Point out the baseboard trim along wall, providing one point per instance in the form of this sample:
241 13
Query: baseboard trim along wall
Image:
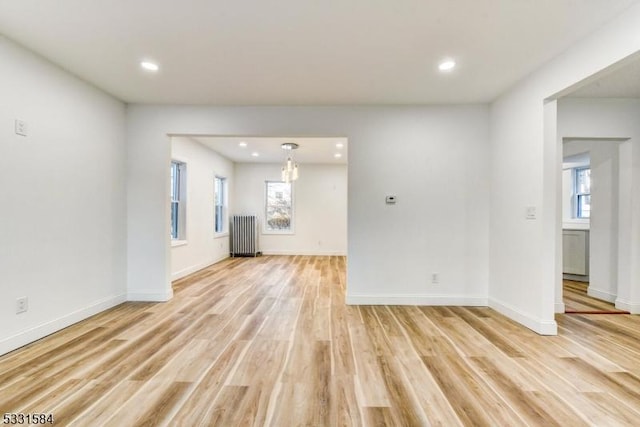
606 296
559 307
631 307
416 300
305 253
150 296
190 270
542 327
33 334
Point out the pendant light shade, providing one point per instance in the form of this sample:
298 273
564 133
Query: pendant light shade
289 171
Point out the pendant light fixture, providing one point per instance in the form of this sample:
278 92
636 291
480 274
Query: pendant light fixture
290 168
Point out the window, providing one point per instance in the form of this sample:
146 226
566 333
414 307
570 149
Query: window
220 204
178 190
582 179
279 207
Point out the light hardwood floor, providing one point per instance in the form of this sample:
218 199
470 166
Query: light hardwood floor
269 341
576 299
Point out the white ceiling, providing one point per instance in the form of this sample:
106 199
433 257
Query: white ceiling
303 52
310 150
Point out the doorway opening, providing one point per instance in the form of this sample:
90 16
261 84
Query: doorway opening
224 178
590 209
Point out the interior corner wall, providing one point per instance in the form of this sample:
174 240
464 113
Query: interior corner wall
320 208
201 247
434 159
63 235
522 282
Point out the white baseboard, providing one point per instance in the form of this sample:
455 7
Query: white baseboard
559 307
631 307
150 296
192 269
605 296
542 327
33 334
305 253
575 277
416 300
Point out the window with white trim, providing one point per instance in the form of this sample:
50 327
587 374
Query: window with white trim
278 207
220 204
178 200
582 192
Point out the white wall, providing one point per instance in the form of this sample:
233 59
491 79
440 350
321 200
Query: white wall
615 217
434 159
202 246
525 262
320 208
63 215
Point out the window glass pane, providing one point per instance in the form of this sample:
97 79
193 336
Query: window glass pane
218 190
279 207
584 206
219 203
583 193
174 220
175 182
583 184
177 205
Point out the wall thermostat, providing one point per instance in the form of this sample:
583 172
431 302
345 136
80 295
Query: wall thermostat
391 200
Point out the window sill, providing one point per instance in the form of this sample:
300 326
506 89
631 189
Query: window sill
220 235
278 233
176 243
576 224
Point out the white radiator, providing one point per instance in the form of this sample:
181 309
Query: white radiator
244 235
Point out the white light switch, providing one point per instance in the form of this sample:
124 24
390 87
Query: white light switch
21 127
531 212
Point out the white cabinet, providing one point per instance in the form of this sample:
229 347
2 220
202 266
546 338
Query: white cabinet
575 252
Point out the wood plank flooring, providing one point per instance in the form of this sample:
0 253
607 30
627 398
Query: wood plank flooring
576 299
269 341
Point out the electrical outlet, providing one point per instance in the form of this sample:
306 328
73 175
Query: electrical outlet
435 278
22 305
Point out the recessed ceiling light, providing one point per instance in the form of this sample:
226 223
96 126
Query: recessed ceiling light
149 66
447 65
255 154
339 145
242 144
337 155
